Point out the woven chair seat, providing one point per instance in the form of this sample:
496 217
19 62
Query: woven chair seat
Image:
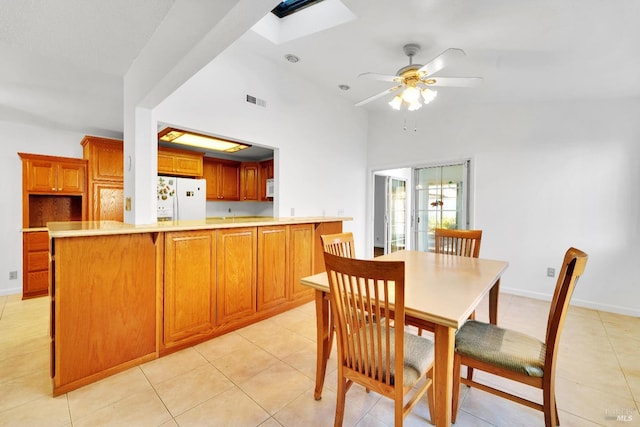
418 356
501 347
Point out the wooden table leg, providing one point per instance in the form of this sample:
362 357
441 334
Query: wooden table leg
444 338
493 303
323 343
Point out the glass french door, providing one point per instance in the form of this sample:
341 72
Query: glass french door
396 214
441 201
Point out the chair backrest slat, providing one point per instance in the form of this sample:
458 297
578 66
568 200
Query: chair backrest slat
363 294
340 244
458 242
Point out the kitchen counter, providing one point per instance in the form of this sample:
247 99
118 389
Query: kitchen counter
100 228
123 294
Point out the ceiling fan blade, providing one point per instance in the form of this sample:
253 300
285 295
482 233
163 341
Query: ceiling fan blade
383 77
453 81
441 61
383 93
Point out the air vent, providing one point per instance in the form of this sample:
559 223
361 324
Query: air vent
256 101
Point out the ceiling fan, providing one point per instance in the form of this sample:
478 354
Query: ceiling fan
417 79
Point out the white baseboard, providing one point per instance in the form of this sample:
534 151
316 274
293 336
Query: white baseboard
627 311
10 291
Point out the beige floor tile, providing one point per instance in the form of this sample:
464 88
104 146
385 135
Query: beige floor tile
27 388
591 404
175 364
106 392
498 411
276 386
271 422
140 409
221 346
383 411
231 408
232 379
186 391
306 411
25 363
240 366
45 411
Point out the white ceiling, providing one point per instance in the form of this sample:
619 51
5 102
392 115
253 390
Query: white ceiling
64 60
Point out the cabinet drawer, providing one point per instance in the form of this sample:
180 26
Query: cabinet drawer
37 241
36 283
38 261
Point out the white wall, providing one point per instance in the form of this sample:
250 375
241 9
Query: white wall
546 176
320 139
20 137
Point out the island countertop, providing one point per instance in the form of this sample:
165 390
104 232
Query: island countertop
98 228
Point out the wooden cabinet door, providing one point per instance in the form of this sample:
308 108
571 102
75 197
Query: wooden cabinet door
249 181
266 172
107 161
41 176
165 163
210 172
189 285
180 162
107 201
272 266
223 179
229 181
236 274
71 177
300 259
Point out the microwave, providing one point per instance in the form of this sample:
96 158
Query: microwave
270 186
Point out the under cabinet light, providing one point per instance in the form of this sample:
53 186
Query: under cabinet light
182 137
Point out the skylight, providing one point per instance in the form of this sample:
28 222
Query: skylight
288 7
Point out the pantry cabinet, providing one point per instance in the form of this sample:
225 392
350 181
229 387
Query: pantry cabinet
105 178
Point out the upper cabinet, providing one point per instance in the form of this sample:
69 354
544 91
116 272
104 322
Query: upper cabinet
249 181
265 173
48 174
105 178
179 162
223 179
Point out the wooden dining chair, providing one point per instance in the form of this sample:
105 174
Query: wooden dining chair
458 242
461 243
364 296
340 244
517 356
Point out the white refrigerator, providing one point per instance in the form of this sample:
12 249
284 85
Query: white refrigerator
181 198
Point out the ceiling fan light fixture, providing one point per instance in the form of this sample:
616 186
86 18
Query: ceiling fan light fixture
414 105
411 94
429 95
396 102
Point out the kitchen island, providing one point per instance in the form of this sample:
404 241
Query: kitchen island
125 294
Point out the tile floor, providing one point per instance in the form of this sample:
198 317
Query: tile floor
263 375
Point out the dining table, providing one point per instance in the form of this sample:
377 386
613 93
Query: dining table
441 292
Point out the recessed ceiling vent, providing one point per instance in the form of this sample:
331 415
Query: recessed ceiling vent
257 101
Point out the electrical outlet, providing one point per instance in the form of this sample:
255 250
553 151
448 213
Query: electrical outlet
13 275
293 211
551 272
